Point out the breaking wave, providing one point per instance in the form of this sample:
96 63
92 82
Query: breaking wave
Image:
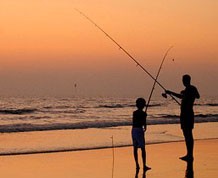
17 111
161 119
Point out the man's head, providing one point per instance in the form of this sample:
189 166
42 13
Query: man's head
186 79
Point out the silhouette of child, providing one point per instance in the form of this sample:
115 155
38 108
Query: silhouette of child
138 128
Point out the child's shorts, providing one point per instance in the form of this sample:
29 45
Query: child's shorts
138 137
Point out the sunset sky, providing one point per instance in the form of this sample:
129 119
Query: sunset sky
46 46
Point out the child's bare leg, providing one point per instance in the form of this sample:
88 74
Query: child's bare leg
136 157
143 156
144 159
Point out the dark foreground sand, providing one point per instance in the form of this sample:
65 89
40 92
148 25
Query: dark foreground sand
163 158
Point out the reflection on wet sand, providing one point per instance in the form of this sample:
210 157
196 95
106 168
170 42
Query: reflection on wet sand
137 174
189 170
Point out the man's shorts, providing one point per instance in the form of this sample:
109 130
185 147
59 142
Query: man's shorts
138 137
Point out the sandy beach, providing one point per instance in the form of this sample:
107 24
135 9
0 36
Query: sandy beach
162 158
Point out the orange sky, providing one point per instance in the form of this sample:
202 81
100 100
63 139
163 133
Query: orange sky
46 46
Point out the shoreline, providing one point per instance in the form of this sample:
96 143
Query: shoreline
91 139
90 149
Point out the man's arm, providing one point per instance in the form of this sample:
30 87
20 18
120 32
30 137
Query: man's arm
197 94
174 94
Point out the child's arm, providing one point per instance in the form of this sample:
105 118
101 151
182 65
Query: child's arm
145 123
145 128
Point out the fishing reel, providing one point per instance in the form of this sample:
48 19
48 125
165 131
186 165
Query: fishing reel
164 95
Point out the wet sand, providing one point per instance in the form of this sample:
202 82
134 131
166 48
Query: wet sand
67 140
162 158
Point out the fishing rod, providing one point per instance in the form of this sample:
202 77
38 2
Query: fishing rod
112 139
158 73
126 52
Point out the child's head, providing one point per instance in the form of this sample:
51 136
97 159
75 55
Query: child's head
140 103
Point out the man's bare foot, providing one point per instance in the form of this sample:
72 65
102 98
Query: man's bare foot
146 168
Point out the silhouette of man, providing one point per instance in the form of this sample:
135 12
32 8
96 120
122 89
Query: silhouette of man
188 96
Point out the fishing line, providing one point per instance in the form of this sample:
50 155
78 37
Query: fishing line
158 73
126 52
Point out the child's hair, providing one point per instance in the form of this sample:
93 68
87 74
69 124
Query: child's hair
140 103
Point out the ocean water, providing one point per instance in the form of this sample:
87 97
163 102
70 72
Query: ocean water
57 124
37 114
